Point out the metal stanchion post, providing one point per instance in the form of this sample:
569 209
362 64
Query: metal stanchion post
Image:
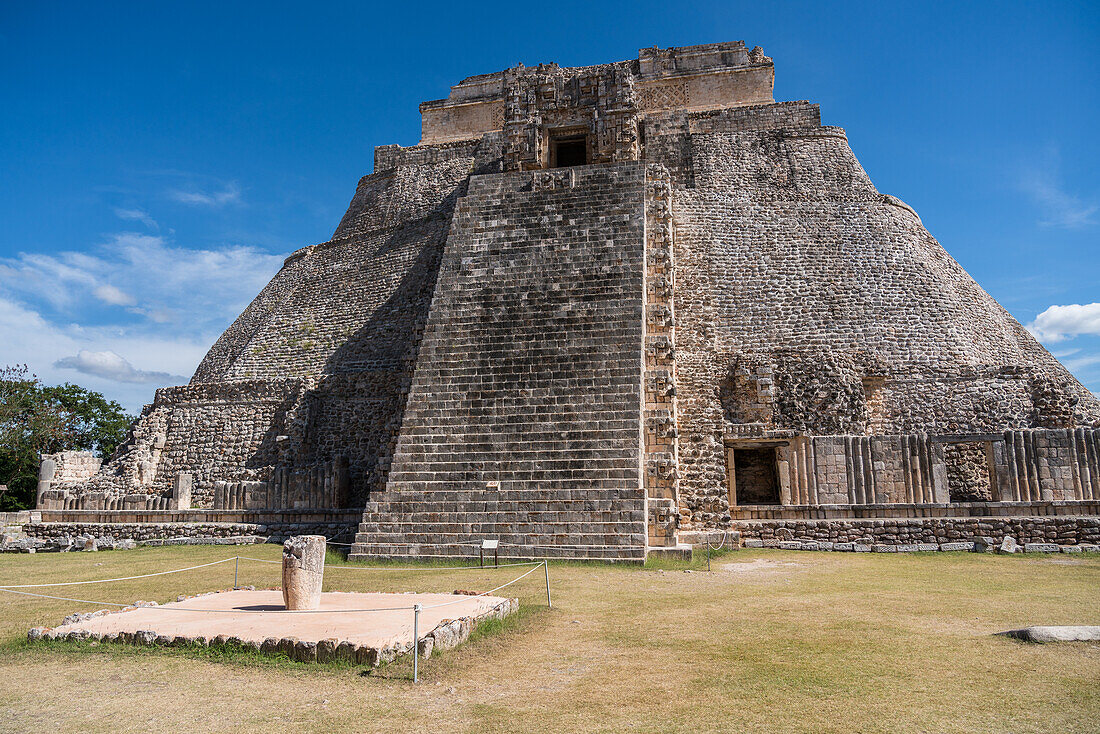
546 574
416 643
236 570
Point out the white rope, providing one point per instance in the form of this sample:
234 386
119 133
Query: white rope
260 560
441 568
263 560
716 547
490 591
464 598
65 598
121 578
405 570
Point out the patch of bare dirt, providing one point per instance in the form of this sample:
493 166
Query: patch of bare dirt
759 566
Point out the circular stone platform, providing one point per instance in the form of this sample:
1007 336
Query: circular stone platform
257 619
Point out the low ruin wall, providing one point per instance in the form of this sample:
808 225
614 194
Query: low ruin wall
936 530
149 532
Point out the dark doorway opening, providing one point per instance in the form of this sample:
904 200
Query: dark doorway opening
755 474
571 151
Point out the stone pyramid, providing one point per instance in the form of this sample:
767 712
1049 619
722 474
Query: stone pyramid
599 306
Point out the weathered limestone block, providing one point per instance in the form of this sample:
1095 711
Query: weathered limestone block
1068 633
181 491
1040 548
303 571
46 471
984 544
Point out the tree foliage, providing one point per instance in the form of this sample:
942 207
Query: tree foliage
40 419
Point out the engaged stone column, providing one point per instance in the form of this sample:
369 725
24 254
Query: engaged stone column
46 471
303 571
181 491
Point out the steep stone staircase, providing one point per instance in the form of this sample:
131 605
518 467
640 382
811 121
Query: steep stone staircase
523 422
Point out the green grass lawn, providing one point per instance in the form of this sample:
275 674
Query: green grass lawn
768 641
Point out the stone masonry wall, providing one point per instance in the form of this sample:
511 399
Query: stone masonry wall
149 532
1057 530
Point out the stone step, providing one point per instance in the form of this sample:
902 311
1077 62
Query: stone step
549 515
525 494
367 551
620 533
595 532
419 535
675 552
529 373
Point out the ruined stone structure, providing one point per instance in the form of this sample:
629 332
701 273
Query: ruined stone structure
598 306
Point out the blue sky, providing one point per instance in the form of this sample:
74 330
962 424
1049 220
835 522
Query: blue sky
158 160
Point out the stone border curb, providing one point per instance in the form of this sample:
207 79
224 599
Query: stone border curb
447 634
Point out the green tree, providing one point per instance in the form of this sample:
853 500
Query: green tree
37 419
93 422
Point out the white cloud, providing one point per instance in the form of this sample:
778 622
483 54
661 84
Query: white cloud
1058 323
192 291
57 315
113 296
30 338
1059 207
1078 364
112 366
137 215
230 194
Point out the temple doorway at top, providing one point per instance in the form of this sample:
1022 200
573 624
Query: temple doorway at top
570 150
753 478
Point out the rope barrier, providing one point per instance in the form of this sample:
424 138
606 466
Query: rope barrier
720 545
66 598
485 593
464 598
121 578
264 560
407 570
215 611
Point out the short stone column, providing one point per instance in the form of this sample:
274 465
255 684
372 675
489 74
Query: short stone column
181 491
46 471
303 571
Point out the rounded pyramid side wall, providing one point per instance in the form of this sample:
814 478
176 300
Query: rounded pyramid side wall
804 256
846 313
